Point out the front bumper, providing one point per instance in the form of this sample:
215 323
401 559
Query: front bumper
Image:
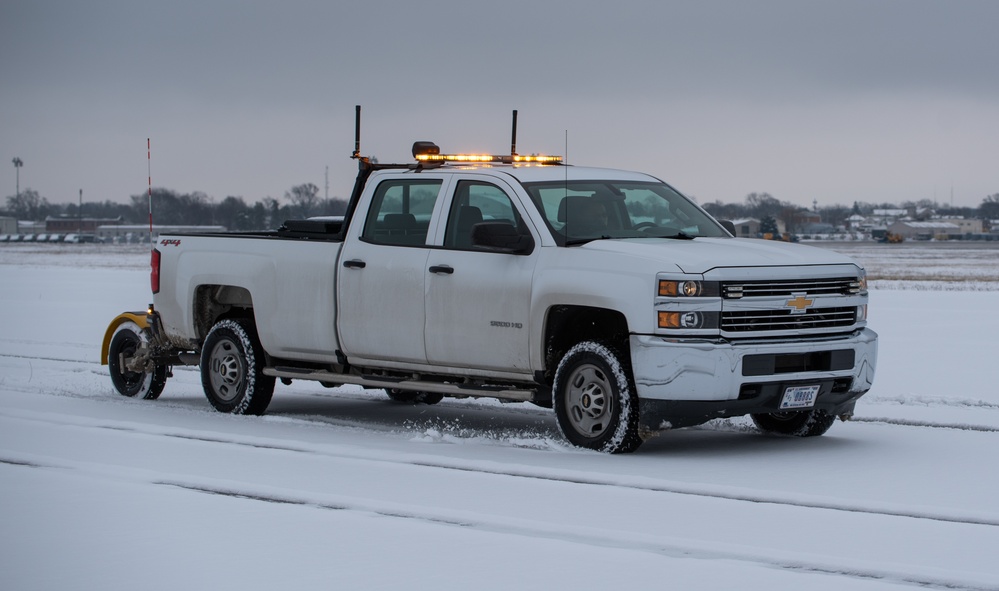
686 382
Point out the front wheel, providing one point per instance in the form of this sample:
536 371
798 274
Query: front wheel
147 384
594 399
232 364
810 423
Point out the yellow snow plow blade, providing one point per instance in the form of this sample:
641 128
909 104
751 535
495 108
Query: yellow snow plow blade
137 317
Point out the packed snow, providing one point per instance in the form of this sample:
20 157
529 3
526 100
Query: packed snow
343 489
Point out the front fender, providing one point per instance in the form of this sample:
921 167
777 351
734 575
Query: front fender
138 318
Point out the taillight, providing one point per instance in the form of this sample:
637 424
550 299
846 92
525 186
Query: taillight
154 274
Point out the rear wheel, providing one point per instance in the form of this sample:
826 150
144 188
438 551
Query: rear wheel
147 384
413 397
799 424
232 364
594 399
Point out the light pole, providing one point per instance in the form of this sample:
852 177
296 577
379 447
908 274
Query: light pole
18 163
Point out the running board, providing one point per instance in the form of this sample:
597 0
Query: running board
402 384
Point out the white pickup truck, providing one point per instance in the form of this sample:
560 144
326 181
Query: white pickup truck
604 294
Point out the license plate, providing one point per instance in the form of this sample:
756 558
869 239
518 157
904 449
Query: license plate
799 397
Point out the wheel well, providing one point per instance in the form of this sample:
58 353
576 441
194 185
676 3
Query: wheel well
217 302
568 325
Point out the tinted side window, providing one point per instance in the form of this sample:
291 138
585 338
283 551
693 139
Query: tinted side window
400 212
476 202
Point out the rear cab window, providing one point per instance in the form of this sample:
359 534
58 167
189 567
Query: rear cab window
401 211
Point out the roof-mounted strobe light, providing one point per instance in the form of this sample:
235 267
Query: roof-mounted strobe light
425 149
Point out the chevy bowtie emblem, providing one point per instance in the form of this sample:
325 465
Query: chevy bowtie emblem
799 304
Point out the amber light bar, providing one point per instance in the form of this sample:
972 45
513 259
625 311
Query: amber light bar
503 159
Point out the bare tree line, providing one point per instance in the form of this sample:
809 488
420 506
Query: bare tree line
301 201
173 208
763 206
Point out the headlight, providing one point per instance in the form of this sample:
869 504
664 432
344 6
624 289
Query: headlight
687 288
860 285
687 306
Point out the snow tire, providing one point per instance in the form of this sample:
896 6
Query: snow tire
810 423
232 364
147 385
594 399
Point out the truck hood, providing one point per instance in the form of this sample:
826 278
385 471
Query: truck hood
700 255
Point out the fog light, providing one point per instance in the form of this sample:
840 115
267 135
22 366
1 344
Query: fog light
680 320
690 320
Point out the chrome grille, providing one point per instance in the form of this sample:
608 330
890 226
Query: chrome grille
835 286
774 320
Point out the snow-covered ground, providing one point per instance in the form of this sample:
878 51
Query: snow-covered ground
341 489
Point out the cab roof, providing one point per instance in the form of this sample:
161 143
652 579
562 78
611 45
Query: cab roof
532 173
535 174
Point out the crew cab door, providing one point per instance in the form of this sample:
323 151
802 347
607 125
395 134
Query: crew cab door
383 272
478 301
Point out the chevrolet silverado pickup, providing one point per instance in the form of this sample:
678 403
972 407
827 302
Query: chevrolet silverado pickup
604 294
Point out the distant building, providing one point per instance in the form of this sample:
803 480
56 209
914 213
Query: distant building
803 219
66 225
8 225
750 227
857 221
938 229
817 228
883 217
967 226
746 228
29 227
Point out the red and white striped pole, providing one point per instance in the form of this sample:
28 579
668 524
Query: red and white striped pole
149 169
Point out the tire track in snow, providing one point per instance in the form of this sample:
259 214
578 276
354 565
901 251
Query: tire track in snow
664 545
928 424
355 454
42 358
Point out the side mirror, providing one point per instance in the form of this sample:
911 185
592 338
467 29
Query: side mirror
501 237
728 225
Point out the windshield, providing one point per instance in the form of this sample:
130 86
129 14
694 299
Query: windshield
580 211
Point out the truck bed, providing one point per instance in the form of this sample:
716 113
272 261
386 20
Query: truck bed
286 276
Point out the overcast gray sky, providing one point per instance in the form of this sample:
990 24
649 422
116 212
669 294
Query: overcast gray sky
833 101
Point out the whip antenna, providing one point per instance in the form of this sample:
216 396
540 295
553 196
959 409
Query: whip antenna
513 135
357 132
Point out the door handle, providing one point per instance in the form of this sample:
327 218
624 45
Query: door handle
442 269
354 264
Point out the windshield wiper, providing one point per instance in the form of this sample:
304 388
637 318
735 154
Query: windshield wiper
681 235
578 241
